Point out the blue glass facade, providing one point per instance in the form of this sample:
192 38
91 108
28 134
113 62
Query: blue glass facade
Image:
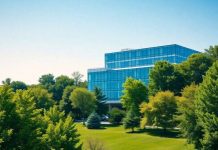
134 63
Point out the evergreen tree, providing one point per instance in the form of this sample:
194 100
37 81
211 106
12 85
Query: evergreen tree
132 120
206 108
101 107
93 121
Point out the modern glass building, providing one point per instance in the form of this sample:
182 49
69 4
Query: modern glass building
134 63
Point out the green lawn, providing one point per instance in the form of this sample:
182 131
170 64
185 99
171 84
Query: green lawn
116 138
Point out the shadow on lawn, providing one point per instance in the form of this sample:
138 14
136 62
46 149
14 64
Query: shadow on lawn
170 133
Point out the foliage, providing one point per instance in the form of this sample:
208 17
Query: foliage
131 120
135 92
101 107
83 100
164 76
41 97
47 80
7 81
213 52
18 85
187 116
206 108
77 77
194 68
93 121
116 115
61 82
8 118
60 131
160 110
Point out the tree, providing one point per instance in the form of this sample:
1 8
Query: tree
101 107
60 131
47 80
65 103
213 52
206 108
194 68
61 82
164 76
135 92
116 115
8 118
93 121
18 85
7 81
83 100
131 120
160 110
187 116
77 78
30 121
41 97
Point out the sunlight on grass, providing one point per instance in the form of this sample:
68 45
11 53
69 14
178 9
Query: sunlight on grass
116 138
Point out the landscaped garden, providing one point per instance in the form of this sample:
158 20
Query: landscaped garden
116 138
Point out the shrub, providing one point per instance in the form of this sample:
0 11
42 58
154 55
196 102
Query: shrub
116 115
93 121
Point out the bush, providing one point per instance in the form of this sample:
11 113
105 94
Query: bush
131 120
116 115
93 121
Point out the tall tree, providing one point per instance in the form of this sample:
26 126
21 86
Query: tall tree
213 52
187 116
207 104
194 68
160 110
135 92
101 107
77 78
7 81
18 85
84 100
61 82
164 76
8 118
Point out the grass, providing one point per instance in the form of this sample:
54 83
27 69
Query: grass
116 138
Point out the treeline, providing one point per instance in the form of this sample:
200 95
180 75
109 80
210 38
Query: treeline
42 116
184 95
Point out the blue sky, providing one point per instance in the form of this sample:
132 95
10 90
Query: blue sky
63 36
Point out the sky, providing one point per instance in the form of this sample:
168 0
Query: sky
62 36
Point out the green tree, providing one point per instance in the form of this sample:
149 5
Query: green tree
60 131
77 77
160 110
83 100
132 120
47 80
206 108
213 52
8 118
116 115
61 82
18 85
7 81
194 68
135 92
30 121
187 116
164 76
93 121
65 103
101 107
41 97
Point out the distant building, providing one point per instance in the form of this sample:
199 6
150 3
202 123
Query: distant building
134 63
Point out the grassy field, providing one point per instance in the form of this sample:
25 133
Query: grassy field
116 138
